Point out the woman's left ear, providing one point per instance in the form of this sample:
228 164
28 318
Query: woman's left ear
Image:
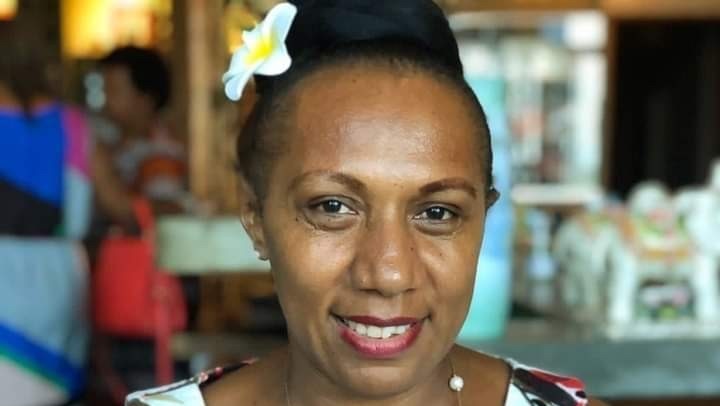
492 197
251 218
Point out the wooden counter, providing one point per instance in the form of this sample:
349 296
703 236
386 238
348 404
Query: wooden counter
615 369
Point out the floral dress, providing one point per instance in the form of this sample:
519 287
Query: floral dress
528 387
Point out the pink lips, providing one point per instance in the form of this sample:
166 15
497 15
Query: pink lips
381 348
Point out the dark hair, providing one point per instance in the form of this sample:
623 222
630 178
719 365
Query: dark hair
23 65
148 71
400 34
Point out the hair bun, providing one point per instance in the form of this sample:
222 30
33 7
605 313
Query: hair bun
326 24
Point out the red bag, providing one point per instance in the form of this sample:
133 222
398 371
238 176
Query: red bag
132 298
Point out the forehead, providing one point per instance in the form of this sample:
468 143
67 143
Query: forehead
381 115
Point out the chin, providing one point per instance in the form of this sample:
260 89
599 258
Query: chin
382 382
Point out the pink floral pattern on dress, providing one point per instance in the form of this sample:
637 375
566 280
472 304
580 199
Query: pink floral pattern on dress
528 387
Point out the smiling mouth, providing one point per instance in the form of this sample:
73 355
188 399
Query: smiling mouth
379 338
378 332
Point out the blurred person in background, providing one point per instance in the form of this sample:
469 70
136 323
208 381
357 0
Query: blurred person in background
44 209
142 158
41 138
135 156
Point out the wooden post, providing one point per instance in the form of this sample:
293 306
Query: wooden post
611 50
196 75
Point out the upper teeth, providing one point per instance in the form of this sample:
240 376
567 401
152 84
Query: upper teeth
371 331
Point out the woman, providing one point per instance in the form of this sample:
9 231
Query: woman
143 159
45 200
44 177
366 170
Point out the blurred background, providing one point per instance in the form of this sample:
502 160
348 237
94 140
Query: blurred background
123 265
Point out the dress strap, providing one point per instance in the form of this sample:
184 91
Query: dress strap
186 393
528 386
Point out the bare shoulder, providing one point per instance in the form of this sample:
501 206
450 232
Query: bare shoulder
248 385
496 375
477 362
490 375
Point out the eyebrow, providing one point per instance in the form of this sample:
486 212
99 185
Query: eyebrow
338 177
359 187
446 184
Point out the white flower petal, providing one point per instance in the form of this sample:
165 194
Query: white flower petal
253 37
278 21
278 63
237 63
235 83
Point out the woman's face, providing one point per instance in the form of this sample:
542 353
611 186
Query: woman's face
372 221
124 103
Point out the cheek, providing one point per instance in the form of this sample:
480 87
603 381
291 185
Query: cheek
451 268
118 108
310 267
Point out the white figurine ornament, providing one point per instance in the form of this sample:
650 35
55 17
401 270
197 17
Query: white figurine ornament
700 208
644 254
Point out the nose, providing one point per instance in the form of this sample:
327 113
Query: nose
386 258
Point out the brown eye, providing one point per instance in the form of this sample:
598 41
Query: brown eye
438 220
334 207
331 214
437 213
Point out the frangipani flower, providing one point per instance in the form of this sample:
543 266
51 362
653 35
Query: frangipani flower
264 51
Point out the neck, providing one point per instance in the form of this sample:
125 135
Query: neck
307 385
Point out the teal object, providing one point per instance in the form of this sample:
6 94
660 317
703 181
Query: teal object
490 307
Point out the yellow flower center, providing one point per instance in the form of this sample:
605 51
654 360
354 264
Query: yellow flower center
262 50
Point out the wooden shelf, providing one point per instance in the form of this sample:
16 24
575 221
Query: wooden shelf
632 369
240 346
662 9
520 5
634 9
